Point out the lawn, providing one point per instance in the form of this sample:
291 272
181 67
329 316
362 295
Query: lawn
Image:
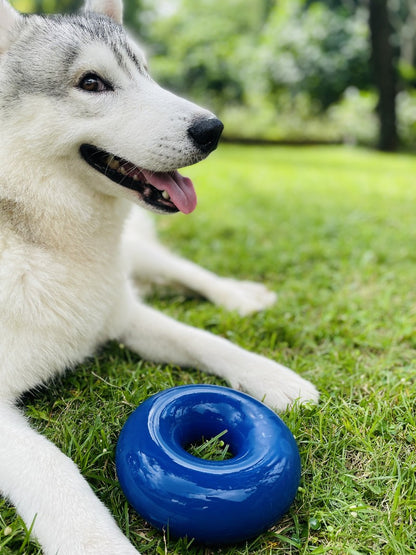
333 231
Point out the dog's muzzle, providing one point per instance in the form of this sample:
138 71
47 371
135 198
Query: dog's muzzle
161 191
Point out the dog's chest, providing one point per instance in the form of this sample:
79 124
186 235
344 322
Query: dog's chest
54 311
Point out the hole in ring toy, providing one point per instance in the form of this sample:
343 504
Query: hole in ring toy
215 502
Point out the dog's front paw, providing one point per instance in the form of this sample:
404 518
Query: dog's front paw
275 385
243 296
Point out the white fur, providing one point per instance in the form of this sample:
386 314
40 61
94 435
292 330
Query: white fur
9 18
65 278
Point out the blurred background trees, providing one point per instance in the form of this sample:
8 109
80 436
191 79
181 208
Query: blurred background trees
292 70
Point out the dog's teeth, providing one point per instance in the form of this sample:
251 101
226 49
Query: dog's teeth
165 195
113 163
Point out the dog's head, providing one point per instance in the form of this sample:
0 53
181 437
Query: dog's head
81 85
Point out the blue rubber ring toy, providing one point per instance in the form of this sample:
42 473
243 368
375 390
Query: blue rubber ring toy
214 502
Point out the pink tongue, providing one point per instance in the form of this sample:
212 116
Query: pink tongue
180 188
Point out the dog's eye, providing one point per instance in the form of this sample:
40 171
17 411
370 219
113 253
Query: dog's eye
93 83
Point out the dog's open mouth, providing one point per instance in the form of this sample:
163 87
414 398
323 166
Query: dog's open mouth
165 191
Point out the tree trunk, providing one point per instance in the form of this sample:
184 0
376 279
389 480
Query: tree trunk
384 73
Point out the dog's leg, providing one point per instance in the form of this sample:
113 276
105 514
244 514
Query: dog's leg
161 339
48 490
151 262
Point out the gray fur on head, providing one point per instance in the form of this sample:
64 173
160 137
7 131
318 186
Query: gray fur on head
9 17
35 37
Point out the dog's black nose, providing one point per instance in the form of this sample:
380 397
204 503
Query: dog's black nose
206 133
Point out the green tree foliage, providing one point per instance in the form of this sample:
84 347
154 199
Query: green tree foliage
229 50
206 46
316 50
46 6
299 55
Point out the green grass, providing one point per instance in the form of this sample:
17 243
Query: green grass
211 449
333 231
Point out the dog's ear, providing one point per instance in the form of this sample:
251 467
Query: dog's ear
8 19
111 8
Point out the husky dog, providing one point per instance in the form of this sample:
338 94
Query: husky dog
84 133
